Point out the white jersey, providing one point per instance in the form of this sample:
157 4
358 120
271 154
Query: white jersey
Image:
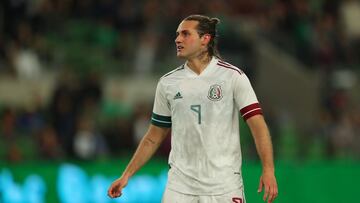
203 114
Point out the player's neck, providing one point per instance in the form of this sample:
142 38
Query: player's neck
199 63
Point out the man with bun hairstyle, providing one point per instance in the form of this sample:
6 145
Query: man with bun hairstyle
200 102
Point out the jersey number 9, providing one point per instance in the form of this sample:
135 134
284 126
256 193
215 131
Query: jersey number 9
197 109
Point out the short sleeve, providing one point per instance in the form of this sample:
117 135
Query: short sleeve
161 115
245 97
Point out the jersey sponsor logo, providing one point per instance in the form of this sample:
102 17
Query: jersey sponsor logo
178 96
215 93
237 200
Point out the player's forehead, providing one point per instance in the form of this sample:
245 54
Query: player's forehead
187 25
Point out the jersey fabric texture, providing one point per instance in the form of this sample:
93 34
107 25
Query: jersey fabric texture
203 114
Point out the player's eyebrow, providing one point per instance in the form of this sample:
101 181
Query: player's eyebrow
182 32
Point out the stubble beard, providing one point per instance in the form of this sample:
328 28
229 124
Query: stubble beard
204 57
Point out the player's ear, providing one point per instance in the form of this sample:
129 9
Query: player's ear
206 38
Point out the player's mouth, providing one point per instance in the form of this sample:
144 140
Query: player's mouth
179 48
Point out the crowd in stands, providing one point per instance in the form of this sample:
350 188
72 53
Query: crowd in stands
320 33
82 39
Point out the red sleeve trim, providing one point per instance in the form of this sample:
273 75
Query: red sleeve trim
249 108
250 111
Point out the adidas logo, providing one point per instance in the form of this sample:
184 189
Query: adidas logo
178 96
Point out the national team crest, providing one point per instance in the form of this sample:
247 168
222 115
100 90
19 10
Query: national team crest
215 93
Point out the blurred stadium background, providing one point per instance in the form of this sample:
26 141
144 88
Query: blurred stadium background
77 80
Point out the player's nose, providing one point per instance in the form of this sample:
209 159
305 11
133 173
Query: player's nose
177 39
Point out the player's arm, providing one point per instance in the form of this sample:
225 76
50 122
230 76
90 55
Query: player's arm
260 132
147 147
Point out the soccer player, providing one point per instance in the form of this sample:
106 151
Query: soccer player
200 102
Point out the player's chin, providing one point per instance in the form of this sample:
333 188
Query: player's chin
180 55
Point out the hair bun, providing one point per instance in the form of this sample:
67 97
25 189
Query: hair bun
215 21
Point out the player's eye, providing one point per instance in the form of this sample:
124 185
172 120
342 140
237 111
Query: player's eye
185 34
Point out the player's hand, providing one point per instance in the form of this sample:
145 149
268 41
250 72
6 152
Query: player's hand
268 182
115 190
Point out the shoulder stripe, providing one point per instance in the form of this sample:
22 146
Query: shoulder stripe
223 62
173 71
230 65
235 69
